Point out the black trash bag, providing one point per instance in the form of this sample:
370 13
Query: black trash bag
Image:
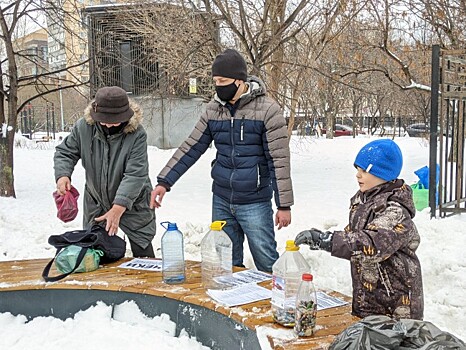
384 333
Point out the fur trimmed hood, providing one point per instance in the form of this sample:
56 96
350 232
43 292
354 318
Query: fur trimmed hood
133 122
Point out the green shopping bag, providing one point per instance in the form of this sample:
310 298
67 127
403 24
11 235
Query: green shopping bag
67 259
420 196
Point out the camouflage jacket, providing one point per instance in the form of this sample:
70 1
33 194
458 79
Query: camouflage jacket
380 241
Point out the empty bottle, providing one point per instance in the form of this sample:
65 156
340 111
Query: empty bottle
306 307
216 257
286 276
172 254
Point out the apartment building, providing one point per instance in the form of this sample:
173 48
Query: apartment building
33 53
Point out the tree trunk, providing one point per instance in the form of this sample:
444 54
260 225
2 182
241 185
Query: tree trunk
7 188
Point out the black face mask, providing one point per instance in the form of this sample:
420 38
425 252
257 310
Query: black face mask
226 92
114 129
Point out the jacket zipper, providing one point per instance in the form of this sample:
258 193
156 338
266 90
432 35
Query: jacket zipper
242 130
258 176
232 140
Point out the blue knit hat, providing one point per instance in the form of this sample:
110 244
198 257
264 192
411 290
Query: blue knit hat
381 158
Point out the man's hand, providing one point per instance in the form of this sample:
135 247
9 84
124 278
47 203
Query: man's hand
63 185
315 239
282 218
156 196
113 219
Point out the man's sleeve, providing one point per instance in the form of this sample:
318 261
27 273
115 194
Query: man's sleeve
187 154
277 151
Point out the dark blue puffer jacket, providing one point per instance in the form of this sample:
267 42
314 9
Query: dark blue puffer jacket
253 157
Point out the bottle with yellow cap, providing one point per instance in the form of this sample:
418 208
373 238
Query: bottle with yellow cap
216 257
286 276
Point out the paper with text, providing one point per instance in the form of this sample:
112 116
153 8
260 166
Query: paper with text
143 264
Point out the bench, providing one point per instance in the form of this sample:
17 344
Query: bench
23 291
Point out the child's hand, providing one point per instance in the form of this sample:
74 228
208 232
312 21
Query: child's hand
315 239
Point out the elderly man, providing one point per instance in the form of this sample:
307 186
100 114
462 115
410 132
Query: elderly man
112 146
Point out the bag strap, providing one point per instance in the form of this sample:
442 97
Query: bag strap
45 273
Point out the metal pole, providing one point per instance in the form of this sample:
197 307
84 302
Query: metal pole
47 118
435 81
53 120
23 114
30 121
61 110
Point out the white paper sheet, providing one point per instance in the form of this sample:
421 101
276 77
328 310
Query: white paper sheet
325 301
244 277
245 294
249 293
143 264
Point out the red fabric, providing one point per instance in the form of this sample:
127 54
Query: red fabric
67 205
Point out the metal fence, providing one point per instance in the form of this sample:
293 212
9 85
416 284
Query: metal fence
448 131
127 58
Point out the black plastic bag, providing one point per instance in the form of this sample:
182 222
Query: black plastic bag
384 333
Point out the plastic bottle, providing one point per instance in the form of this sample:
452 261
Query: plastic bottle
286 276
172 254
216 257
306 307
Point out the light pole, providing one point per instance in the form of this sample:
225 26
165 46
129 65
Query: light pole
61 108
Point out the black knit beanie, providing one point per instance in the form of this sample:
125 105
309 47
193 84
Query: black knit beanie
230 64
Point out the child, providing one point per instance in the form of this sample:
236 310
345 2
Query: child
380 240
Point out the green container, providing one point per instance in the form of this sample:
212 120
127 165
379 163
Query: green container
420 196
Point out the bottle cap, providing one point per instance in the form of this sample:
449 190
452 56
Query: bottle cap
217 225
307 277
170 226
290 246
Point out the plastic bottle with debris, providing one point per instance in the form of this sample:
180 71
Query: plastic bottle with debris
216 257
173 264
286 276
306 307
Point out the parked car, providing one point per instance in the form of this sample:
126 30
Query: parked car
343 130
423 130
417 130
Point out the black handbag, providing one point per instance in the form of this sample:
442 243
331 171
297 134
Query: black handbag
95 237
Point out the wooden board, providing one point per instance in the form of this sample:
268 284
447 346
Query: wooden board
27 275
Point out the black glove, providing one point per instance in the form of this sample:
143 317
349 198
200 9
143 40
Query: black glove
316 239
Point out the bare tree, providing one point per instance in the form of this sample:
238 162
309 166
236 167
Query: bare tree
14 17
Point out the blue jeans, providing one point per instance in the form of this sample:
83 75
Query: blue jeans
254 220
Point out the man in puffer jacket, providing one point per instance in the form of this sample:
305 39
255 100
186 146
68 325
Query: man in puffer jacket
380 240
252 161
112 146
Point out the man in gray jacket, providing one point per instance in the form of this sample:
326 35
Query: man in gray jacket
112 146
252 161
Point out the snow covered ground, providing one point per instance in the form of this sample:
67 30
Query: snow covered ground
323 179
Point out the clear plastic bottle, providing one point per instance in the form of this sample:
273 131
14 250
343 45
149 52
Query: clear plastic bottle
173 265
286 276
306 307
216 257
